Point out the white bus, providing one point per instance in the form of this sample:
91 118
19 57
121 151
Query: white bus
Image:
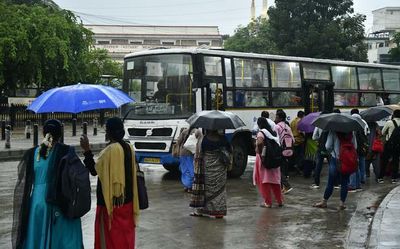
169 85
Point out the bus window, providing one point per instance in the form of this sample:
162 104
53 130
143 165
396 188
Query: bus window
251 73
316 71
344 77
345 99
135 88
370 78
285 74
286 98
256 99
370 99
229 98
394 98
391 79
228 72
217 97
213 65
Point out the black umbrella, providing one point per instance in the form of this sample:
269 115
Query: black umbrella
339 122
215 120
376 113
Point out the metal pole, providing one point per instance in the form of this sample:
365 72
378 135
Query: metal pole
28 129
74 127
35 135
84 126
8 137
62 133
3 130
95 127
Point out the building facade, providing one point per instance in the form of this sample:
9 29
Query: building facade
386 22
120 40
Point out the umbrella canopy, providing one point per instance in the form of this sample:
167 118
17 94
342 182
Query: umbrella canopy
215 120
305 123
376 113
339 122
79 98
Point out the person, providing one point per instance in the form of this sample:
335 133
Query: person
186 160
117 193
281 128
388 153
373 157
310 155
161 94
209 193
333 146
38 223
264 114
299 142
218 101
359 176
266 180
257 99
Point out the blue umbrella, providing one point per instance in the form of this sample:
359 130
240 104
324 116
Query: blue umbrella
79 98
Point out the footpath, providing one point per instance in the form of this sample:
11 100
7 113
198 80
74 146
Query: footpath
384 231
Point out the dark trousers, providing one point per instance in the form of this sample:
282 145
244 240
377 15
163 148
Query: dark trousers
333 175
285 174
298 156
375 165
387 154
318 166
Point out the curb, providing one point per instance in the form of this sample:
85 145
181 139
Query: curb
17 154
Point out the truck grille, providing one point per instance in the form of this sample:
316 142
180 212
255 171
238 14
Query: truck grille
155 132
150 146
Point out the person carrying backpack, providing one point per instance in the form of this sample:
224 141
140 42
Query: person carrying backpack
117 209
391 131
266 173
38 221
286 140
359 177
342 147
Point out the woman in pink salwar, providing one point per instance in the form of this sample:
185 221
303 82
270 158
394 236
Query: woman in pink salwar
267 180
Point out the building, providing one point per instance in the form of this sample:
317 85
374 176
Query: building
120 40
386 22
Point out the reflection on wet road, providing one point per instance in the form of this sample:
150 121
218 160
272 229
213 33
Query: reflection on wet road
167 224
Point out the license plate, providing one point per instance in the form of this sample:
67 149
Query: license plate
151 160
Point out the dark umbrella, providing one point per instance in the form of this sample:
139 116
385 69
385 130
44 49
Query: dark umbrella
305 123
339 122
215 120
376 113
79 98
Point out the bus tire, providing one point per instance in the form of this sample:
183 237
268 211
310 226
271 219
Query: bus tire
239 160
171 167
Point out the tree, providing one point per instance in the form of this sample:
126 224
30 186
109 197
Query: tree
99 63
395 52
318 28
255 38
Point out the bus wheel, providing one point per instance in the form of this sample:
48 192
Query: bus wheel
171 167
239 160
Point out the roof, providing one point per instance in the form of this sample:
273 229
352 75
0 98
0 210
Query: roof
152 30
259 56
387 9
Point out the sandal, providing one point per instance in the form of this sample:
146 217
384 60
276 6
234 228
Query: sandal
219 216
342 207
320 205
196 214
265 205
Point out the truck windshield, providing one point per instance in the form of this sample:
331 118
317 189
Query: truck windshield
161 86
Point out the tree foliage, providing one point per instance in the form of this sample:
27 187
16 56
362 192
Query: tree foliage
318 28
46 47
395 51
255 38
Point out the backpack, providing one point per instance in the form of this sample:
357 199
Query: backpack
362 143
393 144
75 186
286 141
347 163
322 141
271 156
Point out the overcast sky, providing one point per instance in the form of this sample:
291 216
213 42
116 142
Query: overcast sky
226 14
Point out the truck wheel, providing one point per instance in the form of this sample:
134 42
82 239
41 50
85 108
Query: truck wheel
239 160
171 167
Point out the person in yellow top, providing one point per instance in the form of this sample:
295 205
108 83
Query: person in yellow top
117 193
298 146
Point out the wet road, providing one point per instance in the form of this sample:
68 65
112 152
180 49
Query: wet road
167 224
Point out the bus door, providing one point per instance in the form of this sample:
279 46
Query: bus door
318 96
212 96
213 83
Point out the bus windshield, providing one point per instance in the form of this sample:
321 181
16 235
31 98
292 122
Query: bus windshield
161 86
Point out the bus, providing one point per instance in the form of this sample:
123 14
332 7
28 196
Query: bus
169 85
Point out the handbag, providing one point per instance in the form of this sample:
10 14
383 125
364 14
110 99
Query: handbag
377 145
142 190
190 143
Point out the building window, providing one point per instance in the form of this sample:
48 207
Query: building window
119 41
168 43
136 42
152 42
188 42
103 42
206 43
216 43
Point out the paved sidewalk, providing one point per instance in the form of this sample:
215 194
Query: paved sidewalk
19 144
386 226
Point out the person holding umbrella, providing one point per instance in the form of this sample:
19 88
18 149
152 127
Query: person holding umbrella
341 139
